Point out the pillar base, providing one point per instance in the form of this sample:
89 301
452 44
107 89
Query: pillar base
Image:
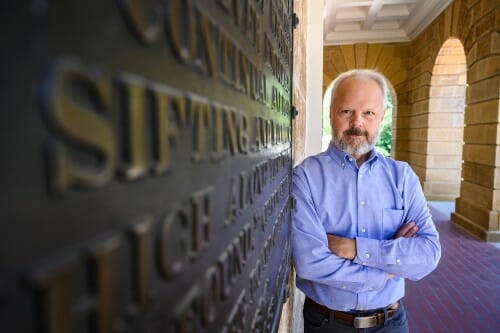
473 228
493 236
477 220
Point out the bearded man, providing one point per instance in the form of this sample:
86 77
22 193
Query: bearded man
361 224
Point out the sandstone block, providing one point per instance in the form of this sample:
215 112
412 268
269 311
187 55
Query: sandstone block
444 175
445 134
445 161
446 105
483 175
483 90
435 148
447 119
481 134
481 154
483 113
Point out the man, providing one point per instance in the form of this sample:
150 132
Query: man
361 224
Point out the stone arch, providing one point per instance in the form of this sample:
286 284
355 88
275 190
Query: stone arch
478 205
445 121
477 209
388 59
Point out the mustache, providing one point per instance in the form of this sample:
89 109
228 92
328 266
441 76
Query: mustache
355 131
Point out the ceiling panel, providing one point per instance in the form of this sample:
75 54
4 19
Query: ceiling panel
378 21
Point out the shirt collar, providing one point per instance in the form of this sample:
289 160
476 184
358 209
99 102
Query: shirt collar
342 158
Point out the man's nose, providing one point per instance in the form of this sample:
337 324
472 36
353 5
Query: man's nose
357 119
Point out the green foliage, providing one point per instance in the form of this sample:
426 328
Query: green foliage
327 129
383 145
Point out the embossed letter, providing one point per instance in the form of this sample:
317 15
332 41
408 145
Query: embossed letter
72 98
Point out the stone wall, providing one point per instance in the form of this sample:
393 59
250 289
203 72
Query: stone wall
299 80
291 309
476 24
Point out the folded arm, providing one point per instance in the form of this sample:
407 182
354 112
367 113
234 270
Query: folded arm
312 258
414 250
346 247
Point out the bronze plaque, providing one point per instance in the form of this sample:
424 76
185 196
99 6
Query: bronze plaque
146 165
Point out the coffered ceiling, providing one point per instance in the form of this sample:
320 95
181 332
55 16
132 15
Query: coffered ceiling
377 21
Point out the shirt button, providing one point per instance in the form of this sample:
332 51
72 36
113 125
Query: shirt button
367 255
370 289
360 176
398 261
363 230
350 159
343 164
362 202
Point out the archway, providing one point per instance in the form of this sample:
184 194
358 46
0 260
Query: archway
446 123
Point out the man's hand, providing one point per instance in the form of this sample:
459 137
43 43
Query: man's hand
342 247
407 230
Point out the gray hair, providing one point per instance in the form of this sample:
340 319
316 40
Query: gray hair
362 74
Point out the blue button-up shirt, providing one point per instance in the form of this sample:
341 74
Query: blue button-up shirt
368 204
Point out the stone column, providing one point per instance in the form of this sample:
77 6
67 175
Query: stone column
479 202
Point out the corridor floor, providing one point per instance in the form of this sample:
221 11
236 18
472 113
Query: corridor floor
463 293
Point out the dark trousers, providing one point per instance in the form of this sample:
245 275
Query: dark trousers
316 322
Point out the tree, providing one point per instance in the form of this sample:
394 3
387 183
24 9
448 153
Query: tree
384 143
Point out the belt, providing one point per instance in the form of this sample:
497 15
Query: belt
367 320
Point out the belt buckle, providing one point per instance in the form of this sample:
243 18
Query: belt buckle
364 322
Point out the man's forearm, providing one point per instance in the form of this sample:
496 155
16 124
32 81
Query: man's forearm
342 247
345 248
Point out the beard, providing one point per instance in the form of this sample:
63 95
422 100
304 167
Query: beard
355 148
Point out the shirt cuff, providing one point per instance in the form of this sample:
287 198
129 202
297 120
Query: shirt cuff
367 254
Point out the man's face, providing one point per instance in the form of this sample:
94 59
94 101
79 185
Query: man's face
356 115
